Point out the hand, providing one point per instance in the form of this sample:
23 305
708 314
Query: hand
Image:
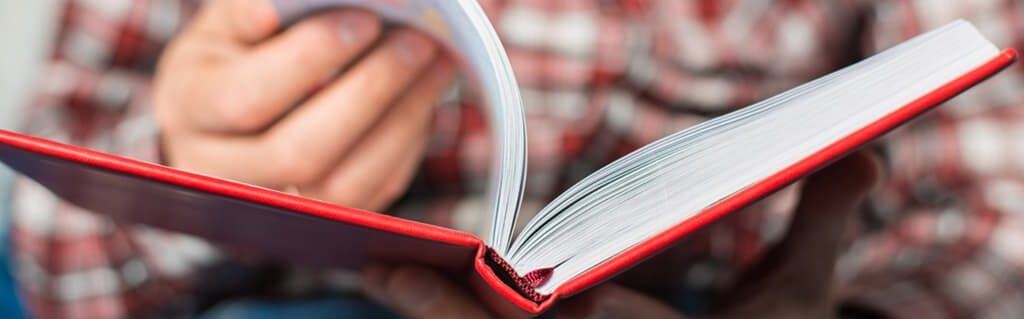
240 99
419 293
794 280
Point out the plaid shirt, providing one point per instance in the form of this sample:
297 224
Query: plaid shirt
599 78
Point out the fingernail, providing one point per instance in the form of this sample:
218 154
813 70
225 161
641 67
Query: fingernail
414 289
356 27
413 47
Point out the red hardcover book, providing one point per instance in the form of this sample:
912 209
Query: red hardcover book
289 228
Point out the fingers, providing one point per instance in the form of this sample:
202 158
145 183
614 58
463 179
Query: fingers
378 168
320 131
828 203
389 153
269 79
613 301
419 293
233 98
396 185
795 277
244 21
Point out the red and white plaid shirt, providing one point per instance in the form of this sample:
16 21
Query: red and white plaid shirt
600 78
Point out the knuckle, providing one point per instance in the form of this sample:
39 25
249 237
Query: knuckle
413 47
233 109
289 163
303 174
308 59
308 51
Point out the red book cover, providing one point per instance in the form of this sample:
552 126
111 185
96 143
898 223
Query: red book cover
294 229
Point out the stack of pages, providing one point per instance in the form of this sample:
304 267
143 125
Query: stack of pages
608 222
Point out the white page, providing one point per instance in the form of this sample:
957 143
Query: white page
675 178
463 26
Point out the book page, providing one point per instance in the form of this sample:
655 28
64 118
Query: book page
464 28
677 177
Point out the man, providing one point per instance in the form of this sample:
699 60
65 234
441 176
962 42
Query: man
340 108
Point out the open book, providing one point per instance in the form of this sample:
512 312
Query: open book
609 221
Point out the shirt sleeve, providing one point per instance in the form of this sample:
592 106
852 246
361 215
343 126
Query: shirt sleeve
949 247
94 92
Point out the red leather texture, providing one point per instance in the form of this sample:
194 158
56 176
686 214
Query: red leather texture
642 251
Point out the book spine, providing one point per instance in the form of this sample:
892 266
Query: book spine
527 284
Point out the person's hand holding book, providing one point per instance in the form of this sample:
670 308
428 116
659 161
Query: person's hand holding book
793 280
238 97
336 109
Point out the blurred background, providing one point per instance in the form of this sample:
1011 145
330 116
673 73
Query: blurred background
969 131
25 29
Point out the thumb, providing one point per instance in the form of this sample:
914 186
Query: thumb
799 270
243 21
829 202
613 301
419 293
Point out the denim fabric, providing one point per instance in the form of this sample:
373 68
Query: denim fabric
327 307
10 305
346 307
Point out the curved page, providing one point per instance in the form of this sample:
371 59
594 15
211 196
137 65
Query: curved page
462 25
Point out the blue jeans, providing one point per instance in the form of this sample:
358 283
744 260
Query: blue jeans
347 307
332 307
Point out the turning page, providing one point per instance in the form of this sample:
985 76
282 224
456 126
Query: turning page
465 29
610 221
